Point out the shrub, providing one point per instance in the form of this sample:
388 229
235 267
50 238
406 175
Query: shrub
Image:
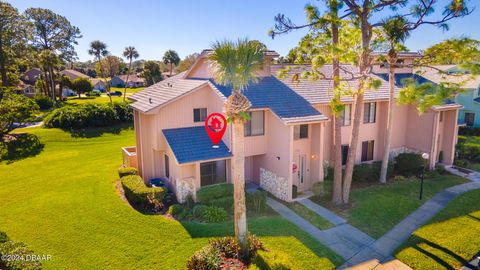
224 203
89 115
177 210
469 151
409 164
127 171
199 210
441 169
206 258
323 189
461 139
469 131
214 214
43 102
461 163
207 193
257 201
138 194
21 250
3 237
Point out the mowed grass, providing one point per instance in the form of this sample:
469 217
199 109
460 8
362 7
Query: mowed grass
377 209
62 202
449 240
101 99
310 216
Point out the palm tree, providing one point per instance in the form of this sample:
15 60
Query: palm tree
395 34
129 53
99 49
48 60
171 58
235 64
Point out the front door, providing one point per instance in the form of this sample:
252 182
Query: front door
301 169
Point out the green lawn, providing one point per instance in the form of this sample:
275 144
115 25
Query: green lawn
62 202
377 209
449 240
309 215
102 99
129 90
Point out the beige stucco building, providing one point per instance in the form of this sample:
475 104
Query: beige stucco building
289 138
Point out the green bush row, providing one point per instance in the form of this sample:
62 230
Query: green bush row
138 194
468 131
125 171
468 151
212 192
43 102
89 115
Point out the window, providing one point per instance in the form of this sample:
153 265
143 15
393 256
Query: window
344 153
347 115
367 151
256 125
300 132
213 172
369 112
167 167
469 119
199 115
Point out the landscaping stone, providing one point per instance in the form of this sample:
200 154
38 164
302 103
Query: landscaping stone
276 185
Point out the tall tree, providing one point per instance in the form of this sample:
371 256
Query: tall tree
14 32
49 61
98 49
453 51
54 33
130 53
82 85
235 65
186 62
151 72
171 58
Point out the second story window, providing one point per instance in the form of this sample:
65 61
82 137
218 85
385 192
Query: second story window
300 132
199 114
369 112
256 125
347 115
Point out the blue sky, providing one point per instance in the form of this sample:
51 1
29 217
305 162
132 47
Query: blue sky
190 26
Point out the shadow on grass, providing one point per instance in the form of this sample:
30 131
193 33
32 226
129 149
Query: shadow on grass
99 131
473 217
420 240
19 146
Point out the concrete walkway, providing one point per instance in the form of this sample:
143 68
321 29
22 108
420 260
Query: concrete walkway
383 248
471 175
323 212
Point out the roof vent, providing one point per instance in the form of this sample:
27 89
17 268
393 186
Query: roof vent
169 84
150 100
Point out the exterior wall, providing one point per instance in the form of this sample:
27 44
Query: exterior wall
466 99
203 69
116 81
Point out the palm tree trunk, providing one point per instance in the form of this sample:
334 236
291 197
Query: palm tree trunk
388 135
337 130
238 177
358 106
52 84
128 75
171 67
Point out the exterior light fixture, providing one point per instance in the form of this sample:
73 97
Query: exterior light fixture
425 157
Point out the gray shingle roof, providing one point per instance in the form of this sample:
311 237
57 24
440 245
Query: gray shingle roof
163 92
400 78
320 91
192 144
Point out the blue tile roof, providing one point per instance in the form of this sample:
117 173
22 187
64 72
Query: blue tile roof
272 93
400 78
193 144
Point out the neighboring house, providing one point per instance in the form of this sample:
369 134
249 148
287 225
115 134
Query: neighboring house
288 140
133 81
31 76
469 115
25 89
98 84
73 74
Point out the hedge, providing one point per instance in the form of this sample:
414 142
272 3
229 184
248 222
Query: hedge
211 192
370 172
127 171
468 131
468 151
89 115
19 249
408 164
137 193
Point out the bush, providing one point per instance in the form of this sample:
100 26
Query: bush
207 193
214 214
43 102
19 249
257 201
441 169
329 174
469 151
408 164
224 203
138 194
323 189
3 237
468 131
177 210
199 210
127 171
461 163
89 115
207 258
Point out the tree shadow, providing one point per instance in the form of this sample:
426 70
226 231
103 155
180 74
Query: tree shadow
442 249
473 217
19 146
99 131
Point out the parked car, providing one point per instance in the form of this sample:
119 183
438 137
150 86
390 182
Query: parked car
94 93
116 93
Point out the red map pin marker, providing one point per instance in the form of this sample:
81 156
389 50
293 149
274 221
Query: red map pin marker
215 124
